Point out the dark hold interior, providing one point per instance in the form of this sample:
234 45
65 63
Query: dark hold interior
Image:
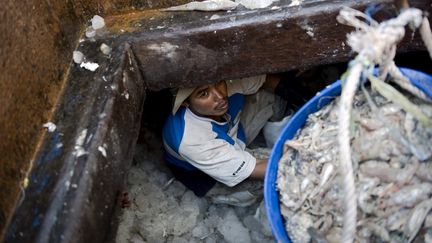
305 82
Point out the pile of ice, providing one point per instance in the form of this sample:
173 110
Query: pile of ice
97 26
163 210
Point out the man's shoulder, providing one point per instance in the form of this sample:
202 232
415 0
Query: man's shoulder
184 125
174 121
245 86
173 128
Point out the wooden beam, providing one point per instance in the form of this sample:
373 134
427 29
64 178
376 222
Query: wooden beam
73 185
189 48
81 166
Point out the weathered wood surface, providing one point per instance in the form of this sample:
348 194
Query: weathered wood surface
80 168
188 48
37 38
72 198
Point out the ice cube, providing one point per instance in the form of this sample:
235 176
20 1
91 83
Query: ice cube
51 127
254 4
78 57
90 32
232 229
89 66
214 16
105 49
97 22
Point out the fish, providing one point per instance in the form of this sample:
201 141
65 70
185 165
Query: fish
392 167
416 219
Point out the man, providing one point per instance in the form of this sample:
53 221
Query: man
204 138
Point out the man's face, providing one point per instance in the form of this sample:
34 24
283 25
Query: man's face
210 100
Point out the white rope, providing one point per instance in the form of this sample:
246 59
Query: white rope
426 35
376 44
349 199
375 41
405 83
385 64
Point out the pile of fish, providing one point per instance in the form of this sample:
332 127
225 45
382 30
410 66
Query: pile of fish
392 161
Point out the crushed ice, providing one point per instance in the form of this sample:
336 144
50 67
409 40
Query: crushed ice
97 22
78 57
105 49
295 3
163 210
255 4
79 150
102 151
90 32
97 27
51 127
89 66
214 16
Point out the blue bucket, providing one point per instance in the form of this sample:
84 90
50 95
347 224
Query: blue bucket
421 80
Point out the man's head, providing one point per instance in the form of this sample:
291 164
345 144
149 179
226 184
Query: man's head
209 100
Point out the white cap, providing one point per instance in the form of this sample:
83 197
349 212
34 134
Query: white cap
182 95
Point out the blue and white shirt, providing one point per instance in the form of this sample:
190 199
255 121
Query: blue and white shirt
216 148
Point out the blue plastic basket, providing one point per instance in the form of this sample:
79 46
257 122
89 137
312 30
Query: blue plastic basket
421 80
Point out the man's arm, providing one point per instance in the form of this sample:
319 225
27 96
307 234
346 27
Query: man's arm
272 81
259 170
219 159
